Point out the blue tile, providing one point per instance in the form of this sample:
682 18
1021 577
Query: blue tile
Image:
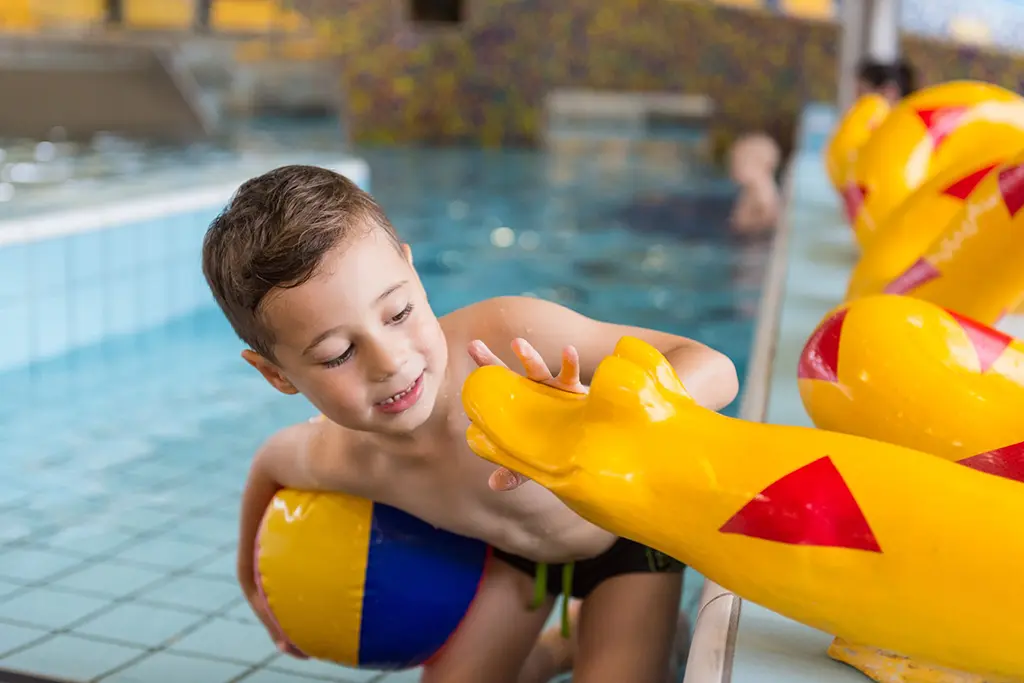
121 303
193 592
164 666
180 276
218 531
268 676
13 529
28 564
223 639
7 587
182 235
89 539
155 240
86 258
154 296
223 566
50 325
121 248
407 676
109 579
71 658
145 518
15 266
142 625
319 669
86 321
48 261
16 340
13 637
242 612
48 608
166 552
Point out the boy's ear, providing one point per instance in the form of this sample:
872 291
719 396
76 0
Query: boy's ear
270 372
407 252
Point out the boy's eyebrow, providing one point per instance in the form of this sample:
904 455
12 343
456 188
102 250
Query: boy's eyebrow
327 333
390 289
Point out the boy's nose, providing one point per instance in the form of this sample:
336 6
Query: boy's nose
386 362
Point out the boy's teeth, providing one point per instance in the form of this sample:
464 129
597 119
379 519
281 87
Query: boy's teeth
395 397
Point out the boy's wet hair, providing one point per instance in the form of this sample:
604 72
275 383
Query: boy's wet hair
275 233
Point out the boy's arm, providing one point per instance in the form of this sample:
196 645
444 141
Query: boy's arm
288 459
708 375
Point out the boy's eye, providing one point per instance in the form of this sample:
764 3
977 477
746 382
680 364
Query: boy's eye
402 315
335 362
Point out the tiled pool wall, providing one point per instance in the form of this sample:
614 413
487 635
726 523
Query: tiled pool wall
73 279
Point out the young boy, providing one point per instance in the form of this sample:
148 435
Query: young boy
314 280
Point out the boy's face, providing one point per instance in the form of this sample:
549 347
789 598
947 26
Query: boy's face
359 339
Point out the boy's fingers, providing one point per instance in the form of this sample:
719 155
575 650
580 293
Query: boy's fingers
504 479
536 369
570 372
482 355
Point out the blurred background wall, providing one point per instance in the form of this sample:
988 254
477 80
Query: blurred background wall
483 78
450 71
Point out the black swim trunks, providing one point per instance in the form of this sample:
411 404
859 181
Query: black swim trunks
579 579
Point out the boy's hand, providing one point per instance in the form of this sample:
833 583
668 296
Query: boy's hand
262 610
568 379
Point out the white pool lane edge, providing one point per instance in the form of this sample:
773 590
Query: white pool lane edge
50 225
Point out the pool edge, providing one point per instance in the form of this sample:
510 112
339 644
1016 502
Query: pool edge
712 645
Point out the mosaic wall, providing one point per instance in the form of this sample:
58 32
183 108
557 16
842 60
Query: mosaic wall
484 82
998 23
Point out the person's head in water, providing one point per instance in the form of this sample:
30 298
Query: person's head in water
894 80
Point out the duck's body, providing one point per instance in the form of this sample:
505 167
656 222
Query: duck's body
875 543
973 266
905 371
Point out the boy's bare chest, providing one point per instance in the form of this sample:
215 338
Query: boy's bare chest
448 488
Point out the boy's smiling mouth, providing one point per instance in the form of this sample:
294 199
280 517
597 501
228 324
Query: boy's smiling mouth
404 399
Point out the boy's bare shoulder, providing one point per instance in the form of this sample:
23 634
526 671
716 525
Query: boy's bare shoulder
318 454
501 315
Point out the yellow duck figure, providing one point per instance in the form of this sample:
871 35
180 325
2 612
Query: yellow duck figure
869 541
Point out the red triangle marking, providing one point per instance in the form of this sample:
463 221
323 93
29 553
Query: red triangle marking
1011 186
988 343
820 357
810 506
940 121
854 196
963 187
1006 462
920 273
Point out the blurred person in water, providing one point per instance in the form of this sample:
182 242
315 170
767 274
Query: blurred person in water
891 80
753 165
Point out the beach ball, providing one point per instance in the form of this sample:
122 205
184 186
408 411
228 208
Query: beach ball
853 131
363 584
923 135
974 267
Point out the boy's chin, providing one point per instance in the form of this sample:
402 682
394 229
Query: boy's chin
407 422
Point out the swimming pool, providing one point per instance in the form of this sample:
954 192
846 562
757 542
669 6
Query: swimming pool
123 458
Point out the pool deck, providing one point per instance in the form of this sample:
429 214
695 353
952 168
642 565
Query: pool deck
736 641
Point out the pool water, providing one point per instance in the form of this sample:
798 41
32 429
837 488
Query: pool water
123 463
